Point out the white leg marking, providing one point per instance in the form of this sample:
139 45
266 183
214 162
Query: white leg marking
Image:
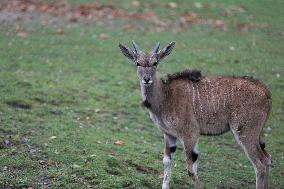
167 172
195 164
194 168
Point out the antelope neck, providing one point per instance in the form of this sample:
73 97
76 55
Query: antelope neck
152 93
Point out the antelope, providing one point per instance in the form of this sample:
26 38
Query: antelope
186 104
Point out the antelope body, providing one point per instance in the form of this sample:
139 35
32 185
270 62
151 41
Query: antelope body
186 105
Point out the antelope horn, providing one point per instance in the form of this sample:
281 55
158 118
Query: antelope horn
137 49
156 48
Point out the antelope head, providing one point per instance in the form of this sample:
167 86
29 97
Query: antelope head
146 62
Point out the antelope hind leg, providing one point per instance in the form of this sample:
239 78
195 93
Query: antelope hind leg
256 156
190 148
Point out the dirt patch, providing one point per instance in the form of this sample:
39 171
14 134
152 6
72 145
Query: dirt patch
44 182
192 18
41 161
49 13
7 131
26 9
140 168
113 166
54 102
247 182
19 104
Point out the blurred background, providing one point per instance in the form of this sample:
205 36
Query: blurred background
70 114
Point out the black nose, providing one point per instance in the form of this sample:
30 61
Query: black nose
146 79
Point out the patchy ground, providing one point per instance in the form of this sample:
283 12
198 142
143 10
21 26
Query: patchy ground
70 104
46 12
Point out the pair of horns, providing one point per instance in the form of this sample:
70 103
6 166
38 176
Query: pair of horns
137 49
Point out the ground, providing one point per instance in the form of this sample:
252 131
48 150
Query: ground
70 102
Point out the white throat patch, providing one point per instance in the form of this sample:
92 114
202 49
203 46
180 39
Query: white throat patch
149 82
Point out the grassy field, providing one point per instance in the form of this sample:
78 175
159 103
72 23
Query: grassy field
67 93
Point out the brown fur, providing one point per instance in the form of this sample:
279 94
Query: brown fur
213 100
213 106
185 105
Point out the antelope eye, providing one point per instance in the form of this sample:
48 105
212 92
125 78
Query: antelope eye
155 63
137 64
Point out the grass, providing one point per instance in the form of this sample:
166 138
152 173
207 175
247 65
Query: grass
67 96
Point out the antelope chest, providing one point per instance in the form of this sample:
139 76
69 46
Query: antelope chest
163 124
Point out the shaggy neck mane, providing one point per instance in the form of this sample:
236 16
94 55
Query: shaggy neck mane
153 95
192 75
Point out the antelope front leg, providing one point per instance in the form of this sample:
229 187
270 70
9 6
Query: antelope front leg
170 147
190 148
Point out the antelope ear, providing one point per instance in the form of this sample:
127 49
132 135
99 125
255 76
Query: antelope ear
166 51
127 52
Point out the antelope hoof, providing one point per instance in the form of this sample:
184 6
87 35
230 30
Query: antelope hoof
272 163
165 186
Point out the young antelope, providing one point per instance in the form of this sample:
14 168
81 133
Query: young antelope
185 105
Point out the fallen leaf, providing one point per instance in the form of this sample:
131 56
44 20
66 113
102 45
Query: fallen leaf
172 5
56 164
60 31
138 167
136 3
7 142
232 48
33 151
22 34
119 142
198 5
76 166
104 36
42 162
219 24
53 137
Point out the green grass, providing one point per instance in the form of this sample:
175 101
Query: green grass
66 97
